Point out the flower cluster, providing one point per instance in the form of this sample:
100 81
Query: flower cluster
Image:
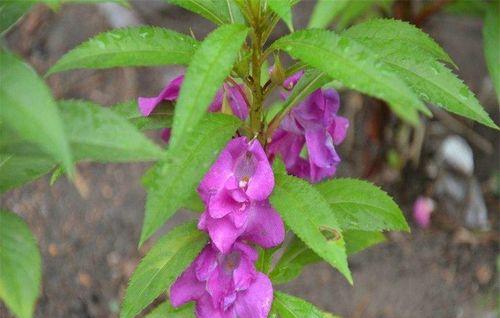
223 280
315 124
235 192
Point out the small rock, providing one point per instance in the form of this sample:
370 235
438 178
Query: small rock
452 186
53 251
483 274
476 214
457 153
84 279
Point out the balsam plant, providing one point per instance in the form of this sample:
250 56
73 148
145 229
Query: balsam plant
255 172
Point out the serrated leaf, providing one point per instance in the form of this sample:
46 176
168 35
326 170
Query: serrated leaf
97 133
297 255
166 310
491 39
210 65
388 36
161 266
325 11
17 170
161 117
137 46
174 179
287 306
28 108
308 215
218 11
355 66
20 265
429 78
283 8
11 12
371 209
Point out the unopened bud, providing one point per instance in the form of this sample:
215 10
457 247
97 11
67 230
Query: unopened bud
277 72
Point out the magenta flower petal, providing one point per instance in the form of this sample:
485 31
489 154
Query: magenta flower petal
186 288
338 129
205 263
223 203
206 309
217 176
265 226
261 184
165 134
235 100
256 301
320 148
422 210
170 93
290 82
222 231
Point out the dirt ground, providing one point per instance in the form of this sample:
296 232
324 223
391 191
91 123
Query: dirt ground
89 241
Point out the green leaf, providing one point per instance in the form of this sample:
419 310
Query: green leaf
371 209
166 310
217 11
161 266
137 46
161 117
20 265
17 170
413 62
297 255
355 66
388 36
28 108
356 241
491 39
11 12
308 215
283 8
354 10
325 11
172 181
288 306
97 133
210 66
466 7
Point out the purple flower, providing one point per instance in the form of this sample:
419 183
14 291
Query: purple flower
224 285
234 98
422 209
235 191
171 93
315 124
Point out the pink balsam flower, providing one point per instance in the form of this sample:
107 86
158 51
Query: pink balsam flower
315 124
422 210
235 191
224 285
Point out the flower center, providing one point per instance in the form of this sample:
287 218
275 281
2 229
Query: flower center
231 261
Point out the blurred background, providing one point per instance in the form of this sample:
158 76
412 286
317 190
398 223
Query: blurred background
88 237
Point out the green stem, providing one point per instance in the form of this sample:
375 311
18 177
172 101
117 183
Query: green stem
257 92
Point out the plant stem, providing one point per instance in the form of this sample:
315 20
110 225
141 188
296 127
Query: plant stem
256 107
